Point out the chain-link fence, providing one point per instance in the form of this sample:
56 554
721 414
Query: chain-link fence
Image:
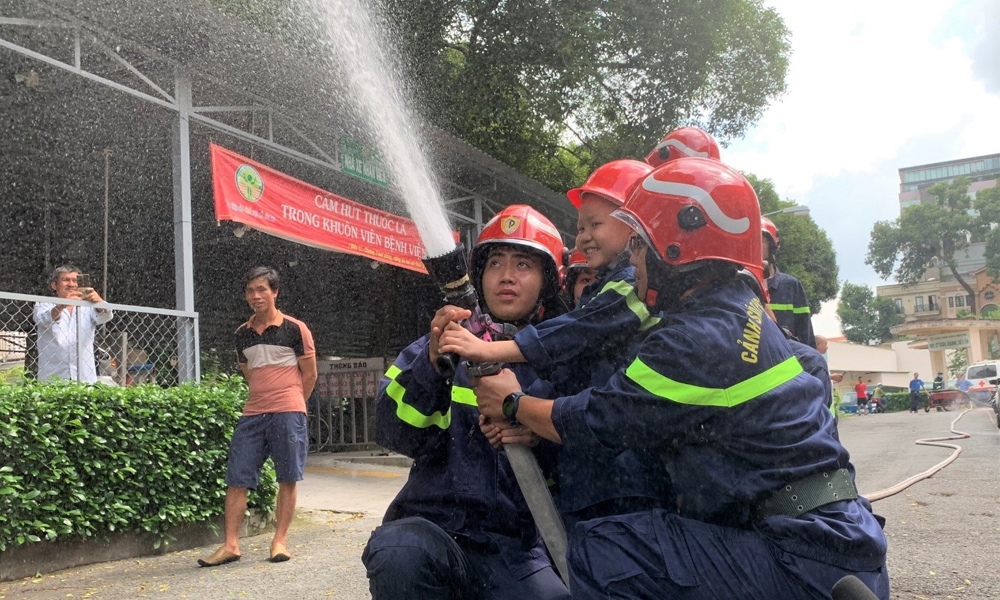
116 344
342 409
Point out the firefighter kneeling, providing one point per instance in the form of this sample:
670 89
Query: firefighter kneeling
766 501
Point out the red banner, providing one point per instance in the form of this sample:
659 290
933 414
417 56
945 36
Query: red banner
256 195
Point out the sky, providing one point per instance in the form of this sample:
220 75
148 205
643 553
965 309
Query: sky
874 87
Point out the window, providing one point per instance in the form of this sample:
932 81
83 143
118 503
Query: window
951 302
960 301
932 303
919 304
899 305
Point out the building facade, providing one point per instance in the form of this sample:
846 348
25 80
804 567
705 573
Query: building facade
931 307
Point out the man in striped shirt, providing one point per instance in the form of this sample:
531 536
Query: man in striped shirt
278 358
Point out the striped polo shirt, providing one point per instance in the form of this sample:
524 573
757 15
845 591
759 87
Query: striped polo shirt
271 359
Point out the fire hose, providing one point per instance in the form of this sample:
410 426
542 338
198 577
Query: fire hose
451 272
937 442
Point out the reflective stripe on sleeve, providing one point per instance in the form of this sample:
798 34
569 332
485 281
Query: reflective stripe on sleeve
463 395
685 393
798 310
409 414
632 301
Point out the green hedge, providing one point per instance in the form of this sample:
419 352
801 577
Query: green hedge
81 461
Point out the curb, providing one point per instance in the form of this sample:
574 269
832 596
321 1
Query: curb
47 557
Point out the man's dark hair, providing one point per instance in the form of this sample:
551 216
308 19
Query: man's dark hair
60 271
266 272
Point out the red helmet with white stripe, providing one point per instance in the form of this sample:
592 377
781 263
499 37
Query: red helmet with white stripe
613 180
686 141
521 225
697 209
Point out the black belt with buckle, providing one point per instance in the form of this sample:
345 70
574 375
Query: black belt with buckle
802 496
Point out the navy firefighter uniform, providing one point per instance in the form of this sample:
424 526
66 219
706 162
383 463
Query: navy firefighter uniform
460 523
586 345
718 395
790 306
576 350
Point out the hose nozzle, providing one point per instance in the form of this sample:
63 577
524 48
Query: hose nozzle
450 272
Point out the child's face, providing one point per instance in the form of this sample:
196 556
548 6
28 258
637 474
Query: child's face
586 277
600 237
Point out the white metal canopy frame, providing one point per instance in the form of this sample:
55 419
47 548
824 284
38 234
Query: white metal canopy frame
28 27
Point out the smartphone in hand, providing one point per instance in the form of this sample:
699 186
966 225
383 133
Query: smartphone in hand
83 284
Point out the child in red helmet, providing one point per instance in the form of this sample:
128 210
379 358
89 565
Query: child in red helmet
578 276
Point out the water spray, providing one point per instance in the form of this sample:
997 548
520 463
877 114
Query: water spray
379 100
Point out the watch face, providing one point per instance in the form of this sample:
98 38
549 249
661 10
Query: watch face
508 406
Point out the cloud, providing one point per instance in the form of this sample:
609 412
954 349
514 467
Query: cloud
865 78
874 87
986 44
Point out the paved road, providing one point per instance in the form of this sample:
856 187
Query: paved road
944 533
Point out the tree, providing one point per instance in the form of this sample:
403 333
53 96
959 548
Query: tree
806 251
988 205
959 361
936 230
866 318
556 88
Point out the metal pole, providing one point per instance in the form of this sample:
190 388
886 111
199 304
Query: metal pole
79 343
123 367
107 181
187 365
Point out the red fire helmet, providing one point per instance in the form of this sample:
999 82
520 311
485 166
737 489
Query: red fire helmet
697 209
769 229
613 180
521 225
686 141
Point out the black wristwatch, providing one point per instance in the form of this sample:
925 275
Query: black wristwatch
510 404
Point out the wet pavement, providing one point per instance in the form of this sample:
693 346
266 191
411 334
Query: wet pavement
944 533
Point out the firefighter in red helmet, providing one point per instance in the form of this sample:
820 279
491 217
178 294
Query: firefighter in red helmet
460 527
789 303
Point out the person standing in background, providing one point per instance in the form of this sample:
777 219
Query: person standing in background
58 325
278 358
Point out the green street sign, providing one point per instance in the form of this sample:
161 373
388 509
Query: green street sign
360 162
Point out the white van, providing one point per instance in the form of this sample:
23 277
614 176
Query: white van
984 377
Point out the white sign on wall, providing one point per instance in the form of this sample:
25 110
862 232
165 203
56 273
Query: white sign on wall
948 341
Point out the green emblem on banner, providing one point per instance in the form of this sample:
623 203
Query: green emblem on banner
249 184
360 162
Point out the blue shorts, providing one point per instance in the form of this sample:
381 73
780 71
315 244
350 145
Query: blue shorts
282 436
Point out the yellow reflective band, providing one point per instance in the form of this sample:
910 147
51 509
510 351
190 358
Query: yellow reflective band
408 414
632 301
685 393
463 395
798 310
